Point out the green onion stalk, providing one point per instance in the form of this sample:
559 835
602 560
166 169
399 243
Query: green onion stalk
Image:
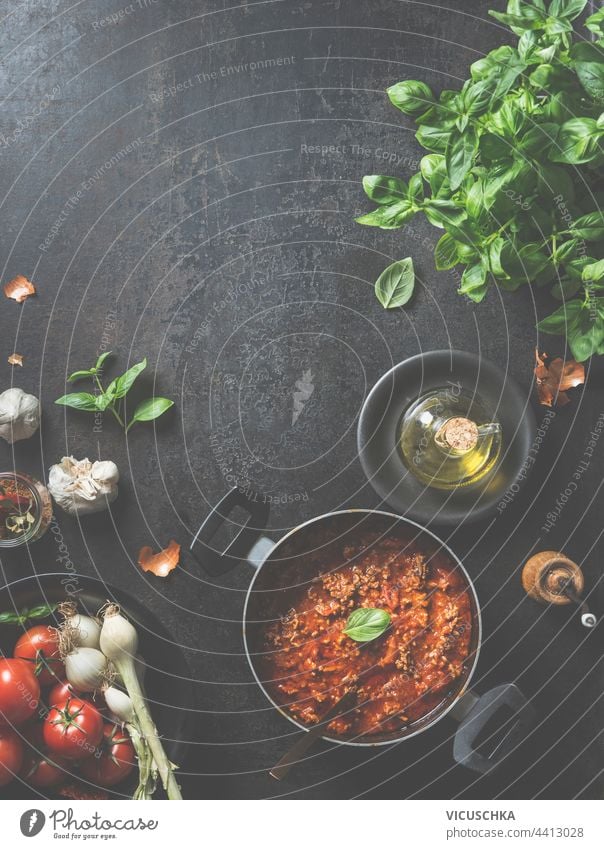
119 643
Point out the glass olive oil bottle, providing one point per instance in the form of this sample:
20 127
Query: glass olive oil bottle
447 438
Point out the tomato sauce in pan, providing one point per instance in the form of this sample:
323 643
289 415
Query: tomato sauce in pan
400 677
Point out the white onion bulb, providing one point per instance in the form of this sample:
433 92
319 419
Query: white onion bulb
86 669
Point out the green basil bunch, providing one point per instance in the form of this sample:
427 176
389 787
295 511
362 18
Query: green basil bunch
514 176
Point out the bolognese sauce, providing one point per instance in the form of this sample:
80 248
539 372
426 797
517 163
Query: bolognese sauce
400 677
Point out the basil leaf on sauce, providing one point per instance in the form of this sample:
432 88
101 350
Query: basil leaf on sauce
367 623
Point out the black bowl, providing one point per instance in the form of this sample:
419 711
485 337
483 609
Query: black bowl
167 678
378 435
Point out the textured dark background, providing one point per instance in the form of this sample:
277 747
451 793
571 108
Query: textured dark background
220 243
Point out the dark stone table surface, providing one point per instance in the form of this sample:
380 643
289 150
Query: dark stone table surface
180 180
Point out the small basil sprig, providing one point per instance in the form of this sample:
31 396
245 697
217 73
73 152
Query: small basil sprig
394 287
111 397
367 623
27 614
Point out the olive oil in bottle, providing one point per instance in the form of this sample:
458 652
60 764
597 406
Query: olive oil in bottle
447 439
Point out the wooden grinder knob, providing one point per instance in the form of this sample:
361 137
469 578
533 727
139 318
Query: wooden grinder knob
546 574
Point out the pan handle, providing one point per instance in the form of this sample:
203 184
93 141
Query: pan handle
249 544
474 714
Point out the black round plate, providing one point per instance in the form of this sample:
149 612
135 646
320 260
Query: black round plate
378 432
167 679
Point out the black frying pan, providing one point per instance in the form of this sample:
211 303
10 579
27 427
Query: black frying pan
282 566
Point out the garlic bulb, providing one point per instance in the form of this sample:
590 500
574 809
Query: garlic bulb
19 415
79 486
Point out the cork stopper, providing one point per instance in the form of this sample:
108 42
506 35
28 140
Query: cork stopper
460 433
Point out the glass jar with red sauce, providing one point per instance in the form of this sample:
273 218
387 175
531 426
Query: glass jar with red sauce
25 509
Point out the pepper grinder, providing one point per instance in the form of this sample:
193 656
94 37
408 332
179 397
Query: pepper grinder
551 577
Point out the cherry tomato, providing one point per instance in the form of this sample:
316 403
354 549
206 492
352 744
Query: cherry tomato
61 691
39 646
39 769
11 755
73 729
19 691
113 760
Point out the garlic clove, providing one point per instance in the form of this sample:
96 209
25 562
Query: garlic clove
19 415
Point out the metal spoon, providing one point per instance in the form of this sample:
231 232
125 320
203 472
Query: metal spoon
309 738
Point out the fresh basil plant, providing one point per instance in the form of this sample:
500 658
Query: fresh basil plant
514 175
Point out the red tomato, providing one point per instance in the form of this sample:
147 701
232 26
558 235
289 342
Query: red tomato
19 691
114 759
73 729
39 768
61 691
39 646
42 770
11 755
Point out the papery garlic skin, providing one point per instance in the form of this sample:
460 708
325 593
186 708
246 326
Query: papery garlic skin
82 487
19 415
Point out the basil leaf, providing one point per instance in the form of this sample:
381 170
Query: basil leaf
26 614
433 138
477 97
566 251
103 400
8 618
491 65
78 400
527 45
538 140
474 282
565 288
411 97
416 189
578 142
445 253
41 611
394 287
447 215
595 23
494 147
555 180
78 375
389 217
385 189
593 272
589 65
590 226
585 335
461 149
150 409
518 22
367 623
475 201
567 8
558 321
495 249
101 360
123 384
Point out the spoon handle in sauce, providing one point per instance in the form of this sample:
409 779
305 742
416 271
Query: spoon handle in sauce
308 739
